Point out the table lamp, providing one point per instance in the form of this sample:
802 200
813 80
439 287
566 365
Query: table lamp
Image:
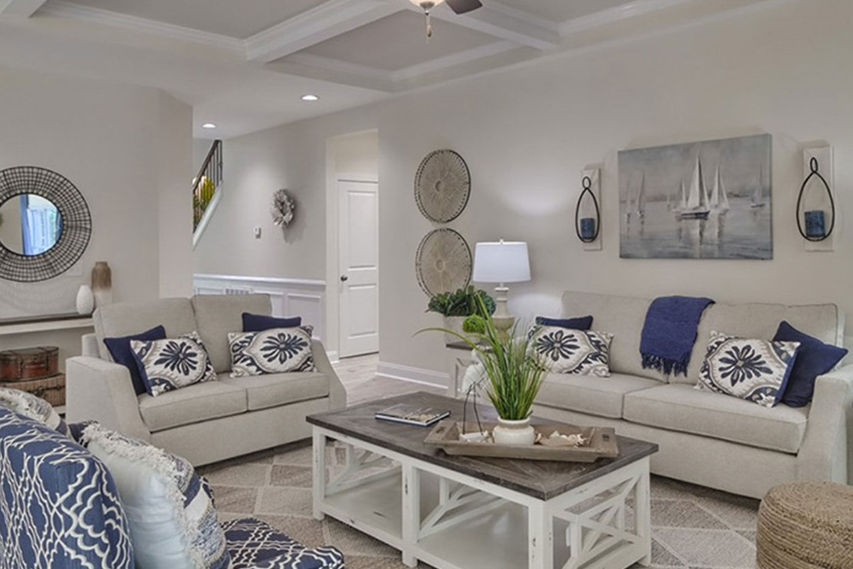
501 262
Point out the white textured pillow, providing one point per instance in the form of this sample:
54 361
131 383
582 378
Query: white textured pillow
171 517
755 370
278 350
579 352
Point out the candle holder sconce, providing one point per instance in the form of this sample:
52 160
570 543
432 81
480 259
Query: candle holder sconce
816 218
588 211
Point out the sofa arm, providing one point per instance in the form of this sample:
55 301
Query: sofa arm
824 454
337 393
89 344
102 391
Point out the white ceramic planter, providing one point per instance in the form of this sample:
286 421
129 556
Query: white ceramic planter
514 432
453 323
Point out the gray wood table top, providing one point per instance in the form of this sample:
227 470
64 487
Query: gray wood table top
541 479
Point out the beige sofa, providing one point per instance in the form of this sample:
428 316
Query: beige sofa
205 422
706 438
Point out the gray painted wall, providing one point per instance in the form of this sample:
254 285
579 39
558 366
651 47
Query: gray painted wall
528 132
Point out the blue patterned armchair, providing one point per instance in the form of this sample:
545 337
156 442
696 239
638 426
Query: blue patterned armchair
59 509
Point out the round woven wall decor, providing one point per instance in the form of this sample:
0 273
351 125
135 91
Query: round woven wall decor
442 186
74 213
443 262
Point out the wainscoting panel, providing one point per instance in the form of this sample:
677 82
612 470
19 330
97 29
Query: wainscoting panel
289 297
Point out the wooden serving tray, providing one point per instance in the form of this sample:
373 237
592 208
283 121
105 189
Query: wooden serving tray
445 435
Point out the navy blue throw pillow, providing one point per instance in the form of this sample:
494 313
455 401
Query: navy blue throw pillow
580 323
262 323
122 354
814 358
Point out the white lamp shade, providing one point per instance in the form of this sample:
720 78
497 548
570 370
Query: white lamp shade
501 262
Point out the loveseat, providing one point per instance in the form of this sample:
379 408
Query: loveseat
707 438
205 422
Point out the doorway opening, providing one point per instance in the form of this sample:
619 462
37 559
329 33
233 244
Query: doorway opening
353 242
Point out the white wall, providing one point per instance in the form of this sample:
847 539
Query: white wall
129 152
527 132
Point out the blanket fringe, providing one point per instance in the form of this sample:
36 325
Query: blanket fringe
665 365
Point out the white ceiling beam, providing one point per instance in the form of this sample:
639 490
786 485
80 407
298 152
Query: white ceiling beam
326 21
503 24
20 8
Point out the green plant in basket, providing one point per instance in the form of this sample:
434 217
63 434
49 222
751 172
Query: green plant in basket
463 302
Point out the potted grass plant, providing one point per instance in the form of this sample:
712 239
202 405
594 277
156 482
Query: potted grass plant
514 374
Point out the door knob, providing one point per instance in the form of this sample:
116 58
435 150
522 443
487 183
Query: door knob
344 278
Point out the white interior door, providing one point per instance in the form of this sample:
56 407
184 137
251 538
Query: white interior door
359 267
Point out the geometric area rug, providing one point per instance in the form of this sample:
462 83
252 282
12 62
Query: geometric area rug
692 527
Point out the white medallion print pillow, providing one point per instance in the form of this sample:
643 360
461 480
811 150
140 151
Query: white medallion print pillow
755 370
580 352
278 350
166 365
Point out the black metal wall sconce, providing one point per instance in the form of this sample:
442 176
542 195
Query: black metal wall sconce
812 224
587 228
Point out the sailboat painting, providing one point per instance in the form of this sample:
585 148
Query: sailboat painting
701 200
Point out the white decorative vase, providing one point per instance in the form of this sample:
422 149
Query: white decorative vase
453 323
514 432
85 300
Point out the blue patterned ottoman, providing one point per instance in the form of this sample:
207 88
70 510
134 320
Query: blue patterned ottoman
256 545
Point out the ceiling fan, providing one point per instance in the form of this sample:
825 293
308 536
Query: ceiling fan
458 7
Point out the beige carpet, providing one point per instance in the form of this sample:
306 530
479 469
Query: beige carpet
692 527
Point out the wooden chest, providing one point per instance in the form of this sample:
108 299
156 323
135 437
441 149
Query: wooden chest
51 389
29 363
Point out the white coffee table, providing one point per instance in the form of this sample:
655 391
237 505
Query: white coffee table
479 513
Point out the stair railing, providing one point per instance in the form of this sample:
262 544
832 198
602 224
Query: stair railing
207 182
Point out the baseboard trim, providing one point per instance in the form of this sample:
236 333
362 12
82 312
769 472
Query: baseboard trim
419 375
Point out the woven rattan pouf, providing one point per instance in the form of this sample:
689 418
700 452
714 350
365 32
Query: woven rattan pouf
806 525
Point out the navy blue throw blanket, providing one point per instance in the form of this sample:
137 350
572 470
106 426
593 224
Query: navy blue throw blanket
670 332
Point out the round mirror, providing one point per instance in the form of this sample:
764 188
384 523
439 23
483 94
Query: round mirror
29 225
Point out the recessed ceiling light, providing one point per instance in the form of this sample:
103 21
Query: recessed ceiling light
310 98
208 125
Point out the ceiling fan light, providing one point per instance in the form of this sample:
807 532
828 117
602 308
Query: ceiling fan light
426 4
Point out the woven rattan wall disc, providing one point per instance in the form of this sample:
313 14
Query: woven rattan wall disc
443 262
442 186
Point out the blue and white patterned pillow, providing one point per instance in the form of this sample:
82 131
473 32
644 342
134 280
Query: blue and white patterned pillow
59 506
278 350
579 352
171 516
255 545
166 365
755 370
32 407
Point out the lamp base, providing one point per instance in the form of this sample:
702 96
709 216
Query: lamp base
503 320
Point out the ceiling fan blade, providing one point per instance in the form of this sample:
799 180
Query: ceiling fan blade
464 6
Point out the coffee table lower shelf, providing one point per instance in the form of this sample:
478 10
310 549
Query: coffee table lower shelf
454 521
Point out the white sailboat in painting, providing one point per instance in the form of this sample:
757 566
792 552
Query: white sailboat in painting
719 201
641 197
695 205
758 194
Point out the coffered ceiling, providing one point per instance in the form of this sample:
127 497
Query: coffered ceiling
244 64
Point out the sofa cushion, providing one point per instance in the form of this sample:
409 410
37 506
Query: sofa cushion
597 396
278 350
577 352
254 544
622 316
191 404
272 390
171 516
261 322
823 321
124 319
121 353
172 363
60 506
219 314
681 407
814 358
